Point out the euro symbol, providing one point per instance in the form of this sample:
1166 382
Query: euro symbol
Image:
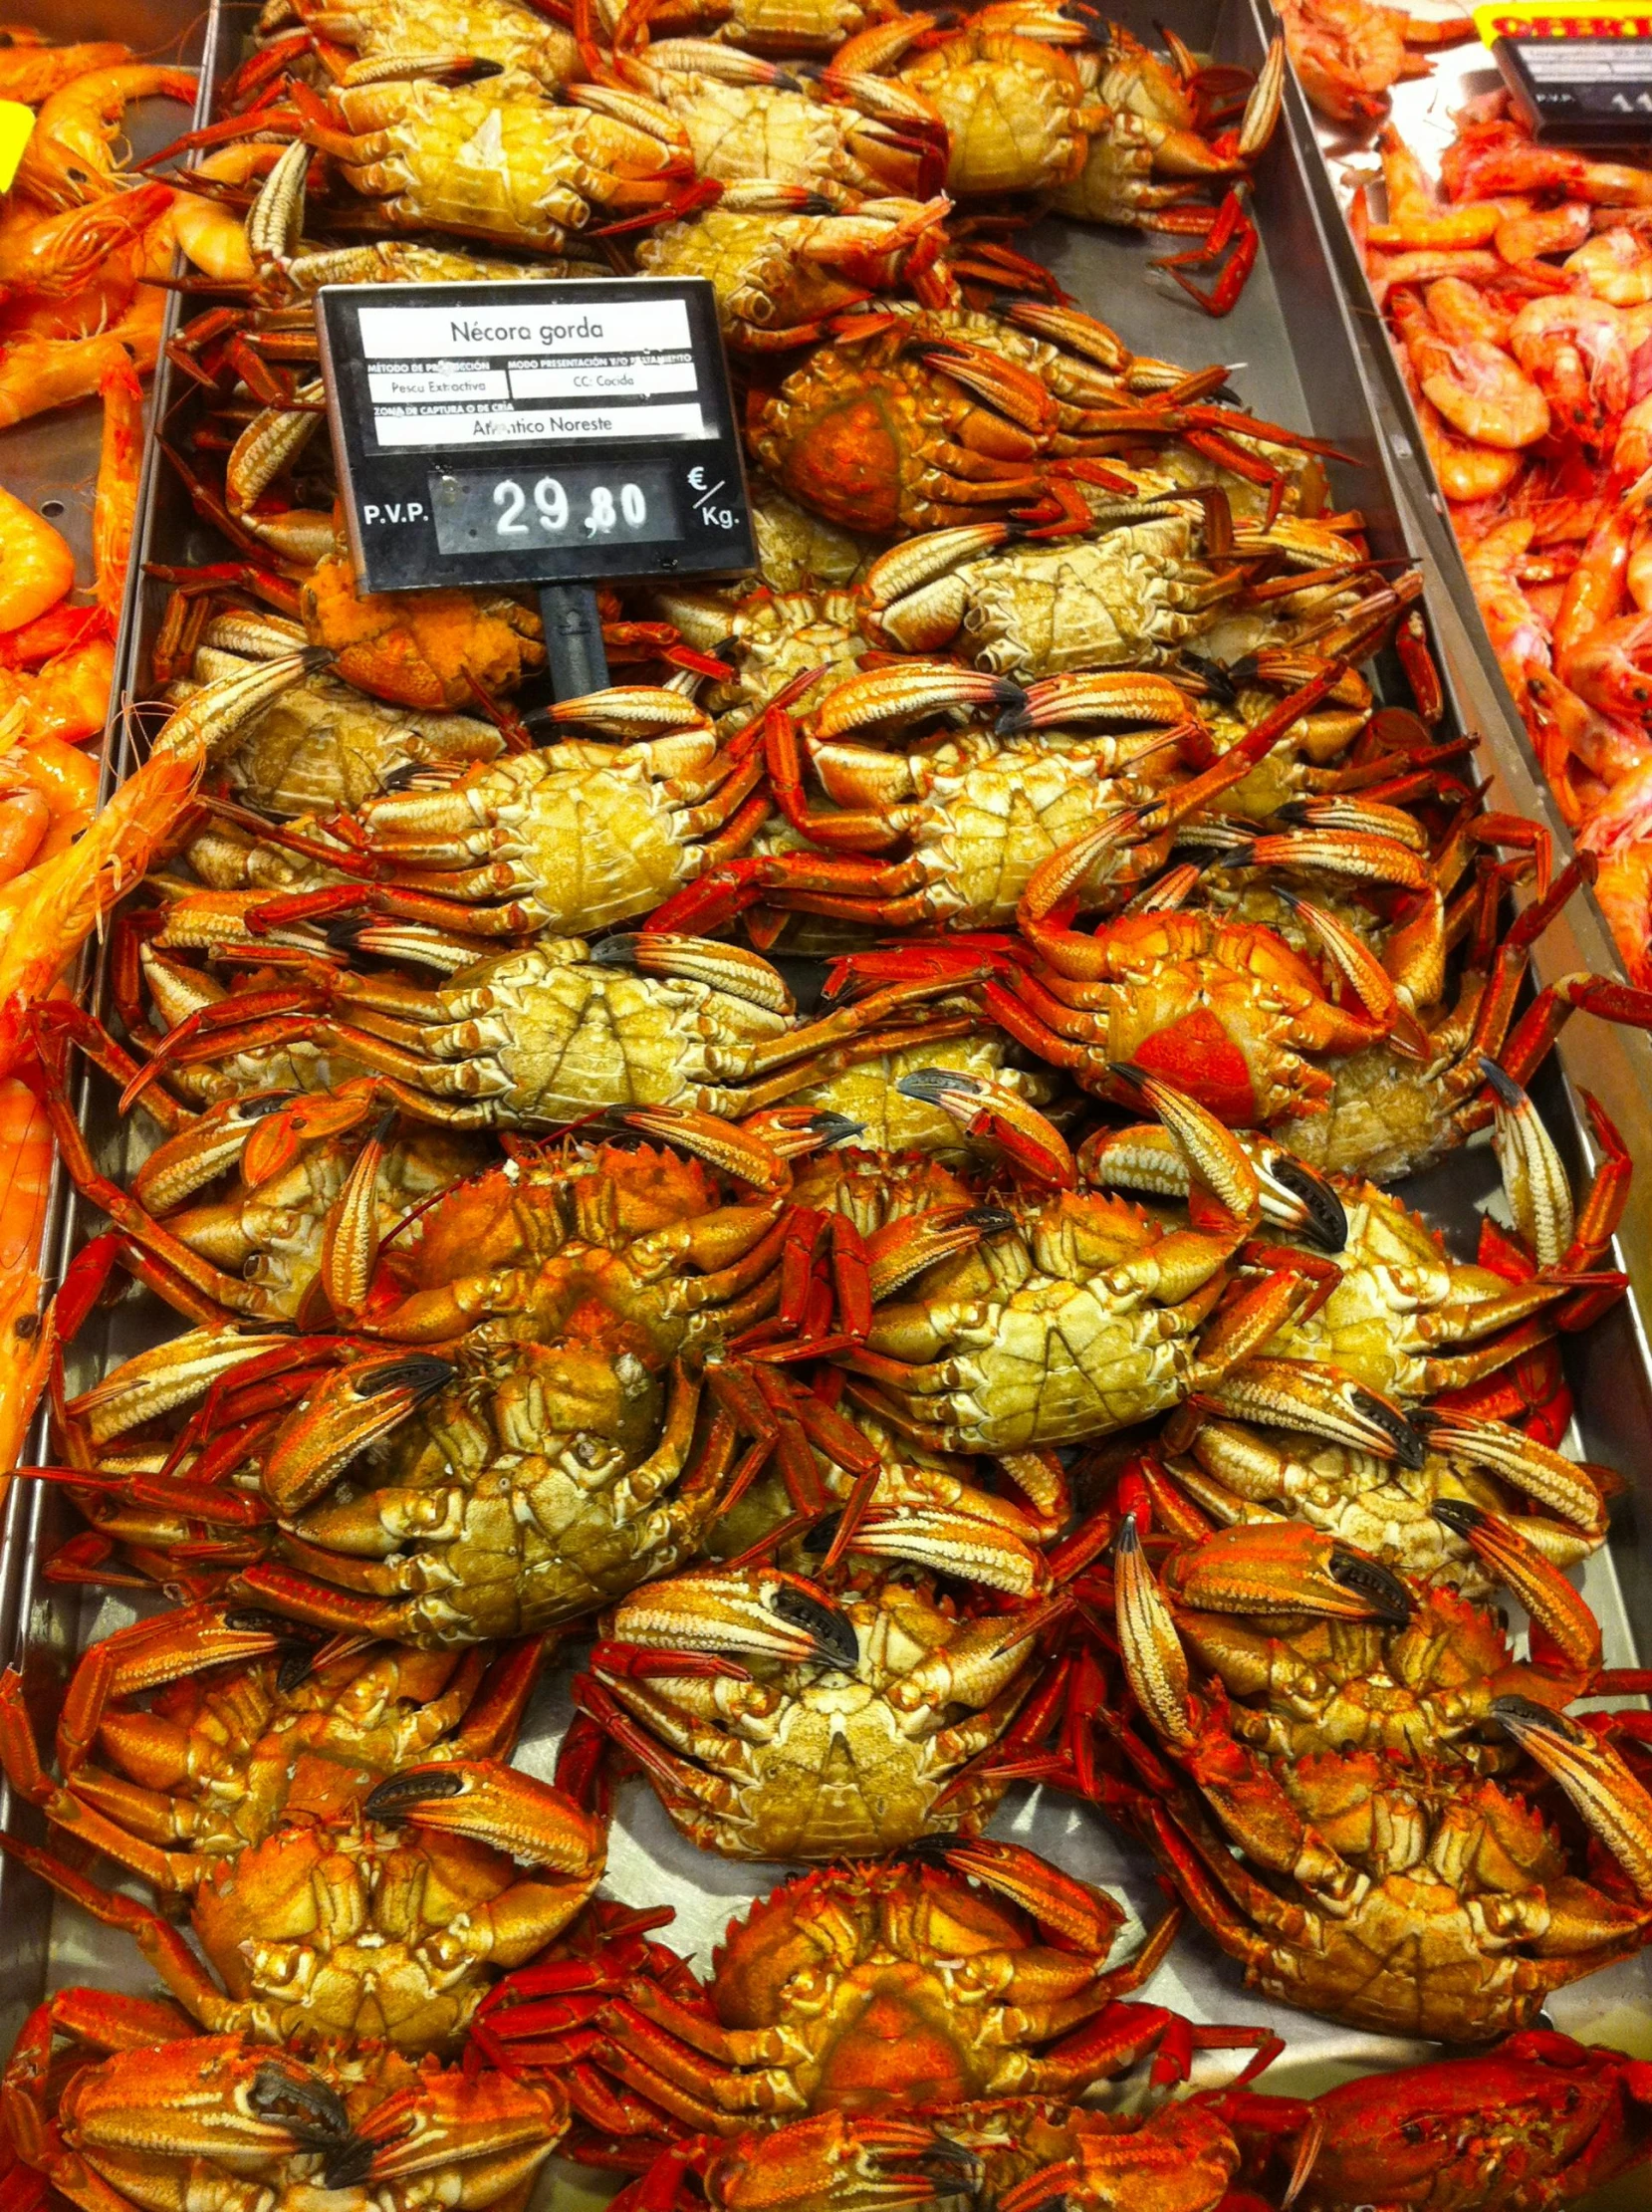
697 479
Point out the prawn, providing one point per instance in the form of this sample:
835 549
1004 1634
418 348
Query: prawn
1518 636
36 566
1575 350
48 794
71 156
1624 890
1615 265
49 255
39 374
1416 217
26 1338
114 505
1475 385
69 698
31 74
1601 653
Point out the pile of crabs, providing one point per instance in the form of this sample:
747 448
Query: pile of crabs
854 1170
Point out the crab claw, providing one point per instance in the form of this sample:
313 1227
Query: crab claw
1085 1917
1539 1585
1615 1806
222 2097
1303 1394
1148 1642
1273 1567
793 1129
996 1115
1298 1196
343 1415
742 1153
494 1804
1215 1157
1536 1181
906 1248
775 1616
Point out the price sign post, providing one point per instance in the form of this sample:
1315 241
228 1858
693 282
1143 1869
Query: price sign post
1579 70
553 433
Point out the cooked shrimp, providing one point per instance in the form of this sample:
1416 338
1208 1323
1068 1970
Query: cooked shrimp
26 1338
39 374
1624 889
1467 472
1600 652
49 255
1416 216
1519 638
31 74
65 778
36 566
69 698
71 157
1458 310
1616 264
1535 231
1575 350
1475 386
213 236
115 506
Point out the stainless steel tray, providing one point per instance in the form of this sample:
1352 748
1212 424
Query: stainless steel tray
1332 157
1294 350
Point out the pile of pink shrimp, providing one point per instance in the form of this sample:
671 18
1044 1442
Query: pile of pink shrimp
1518 292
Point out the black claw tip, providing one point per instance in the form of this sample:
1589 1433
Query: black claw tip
617 952
1383 1592
1409 1448
1508 1090
1523 1717
1458 1515
399 1797
422 1372
825 1624
1327 1221
834 1128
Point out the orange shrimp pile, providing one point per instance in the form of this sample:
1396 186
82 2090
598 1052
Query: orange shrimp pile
1519 297
81 239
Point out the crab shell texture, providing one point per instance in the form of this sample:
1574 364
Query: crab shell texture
366 1930
1382 1507
1467 1914
1017 110
1178 2160
894 1121
1066 1329
419 648
1537 2125
1132 596
882 1986
798 550
1402 1302
273 1232
486 163
816 1760
322 745
1420 1694
580 835
236 2122
862 433
556 1461
230 1754
516 38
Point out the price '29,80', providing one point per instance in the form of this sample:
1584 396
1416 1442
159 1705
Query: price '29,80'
607 508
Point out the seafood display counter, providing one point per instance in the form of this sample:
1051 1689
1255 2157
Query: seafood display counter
1341 160
1296 355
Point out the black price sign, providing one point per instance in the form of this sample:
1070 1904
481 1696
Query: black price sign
533 433
1580 91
